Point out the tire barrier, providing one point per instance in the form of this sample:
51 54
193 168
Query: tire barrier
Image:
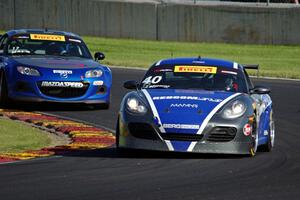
83 136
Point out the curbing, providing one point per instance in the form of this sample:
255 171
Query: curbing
83 136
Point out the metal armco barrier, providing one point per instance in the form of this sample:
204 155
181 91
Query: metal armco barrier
151 20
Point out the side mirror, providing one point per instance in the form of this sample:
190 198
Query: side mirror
260 90
130 85
99 56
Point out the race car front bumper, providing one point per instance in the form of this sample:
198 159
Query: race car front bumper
149 137
33 91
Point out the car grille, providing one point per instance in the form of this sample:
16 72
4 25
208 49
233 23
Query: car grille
181 137
142 130
221 134
64 92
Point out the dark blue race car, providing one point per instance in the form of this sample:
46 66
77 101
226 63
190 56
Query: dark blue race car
51 66
196 105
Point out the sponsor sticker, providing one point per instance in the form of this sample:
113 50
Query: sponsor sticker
187 98
181 126
47 37
184 105
63 73
196 69
98 83
62 84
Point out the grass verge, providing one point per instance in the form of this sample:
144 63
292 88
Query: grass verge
274 60
17 137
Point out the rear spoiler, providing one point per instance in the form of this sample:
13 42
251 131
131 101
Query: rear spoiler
253 66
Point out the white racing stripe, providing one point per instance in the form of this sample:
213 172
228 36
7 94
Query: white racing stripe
209 116
155 113
169 145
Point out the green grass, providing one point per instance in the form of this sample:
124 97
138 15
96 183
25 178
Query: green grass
17 137
274 60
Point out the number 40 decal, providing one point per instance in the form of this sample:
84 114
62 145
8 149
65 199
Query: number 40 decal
152 80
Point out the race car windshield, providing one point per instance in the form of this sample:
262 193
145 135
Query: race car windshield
194 77
53 45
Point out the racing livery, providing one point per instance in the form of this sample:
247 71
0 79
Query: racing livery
196 105
51 66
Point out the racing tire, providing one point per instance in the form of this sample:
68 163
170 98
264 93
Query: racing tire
254 136
271 135
3 90
117 135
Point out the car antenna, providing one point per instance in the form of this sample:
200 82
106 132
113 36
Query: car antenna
199 57
46 29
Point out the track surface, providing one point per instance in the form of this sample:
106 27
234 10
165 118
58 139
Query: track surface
104 174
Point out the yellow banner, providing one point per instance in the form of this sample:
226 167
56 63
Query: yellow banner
47 37
196 69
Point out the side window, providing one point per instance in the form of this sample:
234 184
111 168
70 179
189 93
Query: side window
3 42
249 83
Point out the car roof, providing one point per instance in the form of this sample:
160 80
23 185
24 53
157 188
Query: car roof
40 31
199 61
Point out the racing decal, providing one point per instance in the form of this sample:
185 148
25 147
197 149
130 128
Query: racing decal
196 98
159 86
63 73
47 37
196 69
179 122
235 65
97 83
163 70
22 37
183 105
152 80
209 116
55 71
62 84
181 126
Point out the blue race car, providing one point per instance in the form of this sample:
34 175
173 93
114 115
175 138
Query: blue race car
51 66
196 105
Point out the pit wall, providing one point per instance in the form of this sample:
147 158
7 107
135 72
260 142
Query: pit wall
232 23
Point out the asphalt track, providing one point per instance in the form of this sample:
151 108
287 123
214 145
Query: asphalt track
104 174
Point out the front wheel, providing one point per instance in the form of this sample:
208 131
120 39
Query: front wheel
117 134
254 137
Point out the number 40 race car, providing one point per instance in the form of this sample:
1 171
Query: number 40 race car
196 105
51 66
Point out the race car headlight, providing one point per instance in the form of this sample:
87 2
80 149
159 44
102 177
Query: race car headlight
234 110
93 73
134 105
28 71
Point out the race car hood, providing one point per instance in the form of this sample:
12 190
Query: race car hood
55 62
185 111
